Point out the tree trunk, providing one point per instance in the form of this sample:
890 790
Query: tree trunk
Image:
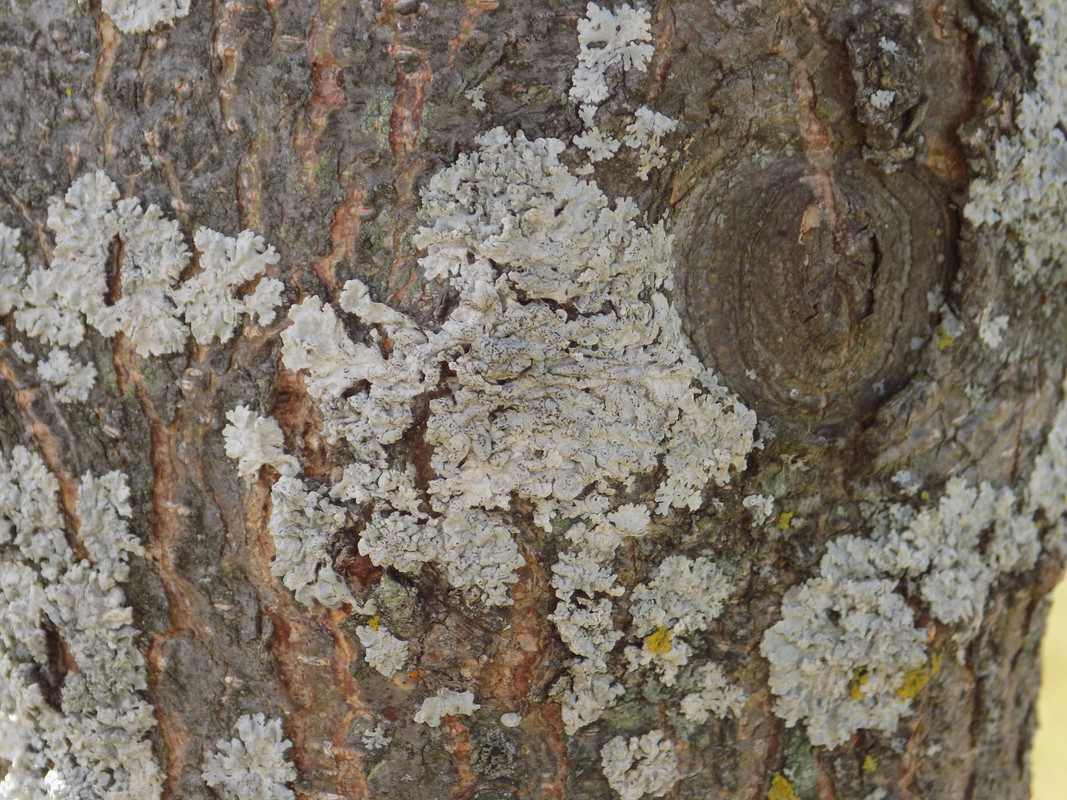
702 440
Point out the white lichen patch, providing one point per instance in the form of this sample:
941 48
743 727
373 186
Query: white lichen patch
71 381
1028 194
254 442
303 523
12 269
883 99
1047 487
376 737
587 566
624 384
584 695
154 255
103 503
93 743
54 300
541 403
684 596
597 145
57 302
846 647
560 379
476 96
760 506
252 764
991 328
227 263
140 16
383 651
714 696
941 550
608 40
644 765
445 703
587 629
662 652
581 571
645 135
838 656
475 551
615 41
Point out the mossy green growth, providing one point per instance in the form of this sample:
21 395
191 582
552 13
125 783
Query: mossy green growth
396 607
800 766
376 121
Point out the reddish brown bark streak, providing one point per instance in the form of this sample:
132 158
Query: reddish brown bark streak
328 93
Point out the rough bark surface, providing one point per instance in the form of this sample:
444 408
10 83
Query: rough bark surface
316 125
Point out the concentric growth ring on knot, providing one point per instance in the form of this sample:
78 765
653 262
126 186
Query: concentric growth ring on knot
808 291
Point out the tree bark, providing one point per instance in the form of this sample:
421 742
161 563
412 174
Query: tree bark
824 270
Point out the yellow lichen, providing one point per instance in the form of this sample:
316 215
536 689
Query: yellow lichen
659 641
859 679
374 622
870 764
784 519
781 789
915 680
944 341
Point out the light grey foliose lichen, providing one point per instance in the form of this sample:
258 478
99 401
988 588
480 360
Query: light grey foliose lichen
839 654
846 642
684 596
644 765
376 737
760 506
383 651
616 41
208 298
71 381
645 135
558 408
155 312
303 523
991 328
560 378
954 551
713 695
445 703
139 16
1047 487
1028 195
574 400
254 441
53 302
12 268
83 736
607 40
251 765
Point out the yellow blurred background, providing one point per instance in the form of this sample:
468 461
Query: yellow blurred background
1048 759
